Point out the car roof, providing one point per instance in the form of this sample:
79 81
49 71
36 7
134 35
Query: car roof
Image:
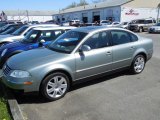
54 28
36 25
90 29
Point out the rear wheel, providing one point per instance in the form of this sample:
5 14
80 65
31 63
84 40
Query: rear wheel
138 64
140 29
55 86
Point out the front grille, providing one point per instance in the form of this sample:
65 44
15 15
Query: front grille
6 69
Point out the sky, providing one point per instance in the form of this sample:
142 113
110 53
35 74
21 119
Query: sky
35 4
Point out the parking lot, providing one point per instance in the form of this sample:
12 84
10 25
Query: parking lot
121 96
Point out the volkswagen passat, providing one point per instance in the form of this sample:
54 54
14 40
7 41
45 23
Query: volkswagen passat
79 54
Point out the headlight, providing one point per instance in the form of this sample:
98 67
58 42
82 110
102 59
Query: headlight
19 74
4 52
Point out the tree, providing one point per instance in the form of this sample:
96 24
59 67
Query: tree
72 5
82 3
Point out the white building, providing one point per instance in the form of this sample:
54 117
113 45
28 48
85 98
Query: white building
25 15
115 10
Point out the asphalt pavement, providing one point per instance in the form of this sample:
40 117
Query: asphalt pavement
121 96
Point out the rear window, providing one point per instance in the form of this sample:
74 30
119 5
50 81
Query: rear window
120 37
133 37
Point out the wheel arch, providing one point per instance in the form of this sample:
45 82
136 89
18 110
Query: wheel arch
58 70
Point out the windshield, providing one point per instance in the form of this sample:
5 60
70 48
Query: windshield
2 24
67 42
32 36
10 30
37 35
20 30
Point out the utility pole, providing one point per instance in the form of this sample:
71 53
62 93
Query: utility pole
158 12
27 15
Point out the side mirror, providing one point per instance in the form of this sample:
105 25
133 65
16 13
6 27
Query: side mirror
85 48
42 41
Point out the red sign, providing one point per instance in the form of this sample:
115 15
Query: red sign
131 12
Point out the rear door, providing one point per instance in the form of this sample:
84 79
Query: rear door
123 48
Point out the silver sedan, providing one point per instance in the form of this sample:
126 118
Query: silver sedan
79 54
154 29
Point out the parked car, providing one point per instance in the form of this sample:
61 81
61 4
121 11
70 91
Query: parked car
74 23
110 24
78 54
105 22
88 24
8 26
141 25
154 29
37 37
14 22
124 25
11 29
2 23
20 33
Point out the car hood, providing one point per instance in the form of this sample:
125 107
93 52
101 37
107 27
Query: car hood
34 58
4 36
12 45
10 38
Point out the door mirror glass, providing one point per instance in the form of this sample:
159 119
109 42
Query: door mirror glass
42 41
85 48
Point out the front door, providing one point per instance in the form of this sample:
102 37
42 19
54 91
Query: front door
98 59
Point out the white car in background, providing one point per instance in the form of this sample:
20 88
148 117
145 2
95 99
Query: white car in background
154 29
104 22
20 33
124 25
109 24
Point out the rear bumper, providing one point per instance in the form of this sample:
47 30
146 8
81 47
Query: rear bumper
149 55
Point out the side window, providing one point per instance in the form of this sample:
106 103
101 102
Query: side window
120 37
133 37
98 40
51 35
149 21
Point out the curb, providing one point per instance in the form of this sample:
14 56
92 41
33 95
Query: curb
14 107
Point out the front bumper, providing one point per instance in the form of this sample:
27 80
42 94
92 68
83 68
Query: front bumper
18 84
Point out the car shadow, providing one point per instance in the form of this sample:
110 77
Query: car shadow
35 98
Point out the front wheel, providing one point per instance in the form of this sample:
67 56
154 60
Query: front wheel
138 64
55 86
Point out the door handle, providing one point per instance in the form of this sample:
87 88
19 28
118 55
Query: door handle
131 48
108 53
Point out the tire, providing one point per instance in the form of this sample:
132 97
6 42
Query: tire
138 64
140 29
55 86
